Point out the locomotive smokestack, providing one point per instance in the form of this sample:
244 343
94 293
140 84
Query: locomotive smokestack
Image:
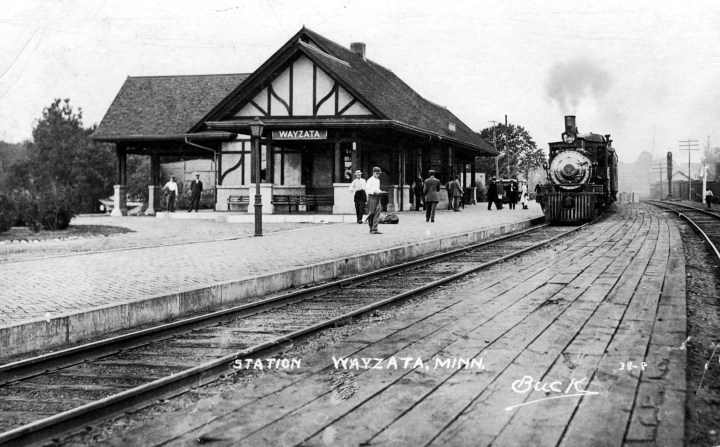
570 125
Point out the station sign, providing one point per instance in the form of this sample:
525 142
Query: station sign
299 134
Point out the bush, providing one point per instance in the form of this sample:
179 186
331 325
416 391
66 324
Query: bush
50 210
8 213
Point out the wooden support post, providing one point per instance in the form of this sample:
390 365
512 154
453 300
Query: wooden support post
155 168
270 169
339 168
472 173
121 151
401 173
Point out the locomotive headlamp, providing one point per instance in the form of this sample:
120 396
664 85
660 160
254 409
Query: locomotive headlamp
568 138
570 130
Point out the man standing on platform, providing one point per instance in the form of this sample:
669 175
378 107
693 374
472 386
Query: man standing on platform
418 193
357 188
512 194
196 188
500 192
374 197
172 190
455 192
432 196
492 195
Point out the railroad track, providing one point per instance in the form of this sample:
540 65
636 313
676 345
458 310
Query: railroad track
704 221
61 392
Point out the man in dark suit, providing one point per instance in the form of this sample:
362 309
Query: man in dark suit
512 194
196 188
431 189
492 194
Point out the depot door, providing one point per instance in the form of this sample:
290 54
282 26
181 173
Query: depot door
318 168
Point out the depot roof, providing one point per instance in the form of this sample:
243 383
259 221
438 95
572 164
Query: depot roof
159 107
169 106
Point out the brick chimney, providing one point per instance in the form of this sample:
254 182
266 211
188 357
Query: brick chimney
358 48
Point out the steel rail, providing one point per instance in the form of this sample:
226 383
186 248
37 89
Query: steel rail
683 205
692 223
178 383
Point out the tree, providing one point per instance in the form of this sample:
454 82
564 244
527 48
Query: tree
138 167
711 159
10 154
524 154
63 157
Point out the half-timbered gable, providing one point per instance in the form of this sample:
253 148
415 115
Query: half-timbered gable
303 89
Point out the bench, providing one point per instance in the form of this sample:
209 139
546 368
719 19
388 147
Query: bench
317 200
312 201
288 201
241 202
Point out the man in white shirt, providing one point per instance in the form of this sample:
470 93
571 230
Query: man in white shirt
374 196
357 188
172 191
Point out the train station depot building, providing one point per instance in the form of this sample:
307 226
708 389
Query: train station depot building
326 110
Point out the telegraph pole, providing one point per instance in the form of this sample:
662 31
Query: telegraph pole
507 151
704 168
659 168
689 145
497 166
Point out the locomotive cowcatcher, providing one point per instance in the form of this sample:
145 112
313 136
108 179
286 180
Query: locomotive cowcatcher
581 177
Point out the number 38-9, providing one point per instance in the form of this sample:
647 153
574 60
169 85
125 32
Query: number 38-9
629 366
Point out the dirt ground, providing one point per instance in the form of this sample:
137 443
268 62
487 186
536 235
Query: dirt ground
702 403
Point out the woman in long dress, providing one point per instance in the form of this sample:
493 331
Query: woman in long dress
524 197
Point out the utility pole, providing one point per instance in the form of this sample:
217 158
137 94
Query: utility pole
497 166
659 168
689 145
705 167
507 151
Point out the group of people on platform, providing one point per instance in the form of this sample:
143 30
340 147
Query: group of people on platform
172 192
367 196
496 190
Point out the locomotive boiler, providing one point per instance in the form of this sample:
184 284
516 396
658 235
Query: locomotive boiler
581 177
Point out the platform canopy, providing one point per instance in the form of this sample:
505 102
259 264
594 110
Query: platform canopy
155 113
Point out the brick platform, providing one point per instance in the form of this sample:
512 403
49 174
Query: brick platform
48 302
567 317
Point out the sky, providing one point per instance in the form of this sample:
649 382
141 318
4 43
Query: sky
645 72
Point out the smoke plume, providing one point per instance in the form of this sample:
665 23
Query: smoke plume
572 82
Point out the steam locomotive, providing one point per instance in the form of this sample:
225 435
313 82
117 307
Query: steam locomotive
582 178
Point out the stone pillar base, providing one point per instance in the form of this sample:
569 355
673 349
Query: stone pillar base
344 200
120 201
154 198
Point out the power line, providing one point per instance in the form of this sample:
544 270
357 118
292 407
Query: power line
497 165
689 145
659 168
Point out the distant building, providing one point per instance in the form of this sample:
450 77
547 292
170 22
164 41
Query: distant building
635 177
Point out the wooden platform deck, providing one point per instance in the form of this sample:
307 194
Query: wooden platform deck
554 333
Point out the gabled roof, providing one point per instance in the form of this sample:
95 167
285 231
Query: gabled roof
377 87
393 97
154 107
163 107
